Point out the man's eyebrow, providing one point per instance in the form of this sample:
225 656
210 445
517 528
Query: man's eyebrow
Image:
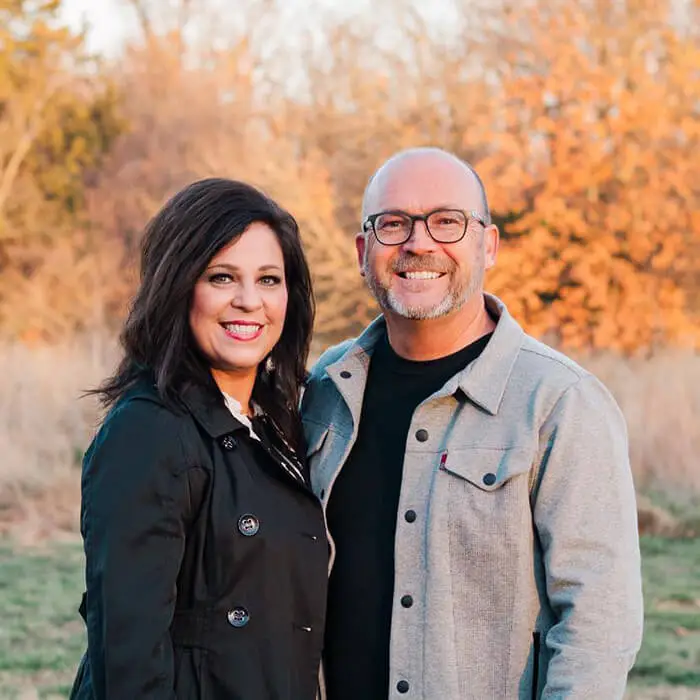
453 207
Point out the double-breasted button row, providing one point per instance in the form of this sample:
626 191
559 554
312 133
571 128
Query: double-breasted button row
240 617
249 525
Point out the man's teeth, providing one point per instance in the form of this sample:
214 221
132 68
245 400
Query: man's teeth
422 275
242 329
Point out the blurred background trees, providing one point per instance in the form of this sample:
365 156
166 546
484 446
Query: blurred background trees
58 121
584 119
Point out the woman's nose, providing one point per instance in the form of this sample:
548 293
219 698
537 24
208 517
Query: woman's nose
247 296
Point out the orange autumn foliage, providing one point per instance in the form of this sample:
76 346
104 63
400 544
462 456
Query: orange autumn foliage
596 161
583 118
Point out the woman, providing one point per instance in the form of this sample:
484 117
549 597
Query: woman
205 548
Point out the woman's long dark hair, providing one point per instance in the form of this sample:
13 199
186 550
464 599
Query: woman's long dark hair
177 246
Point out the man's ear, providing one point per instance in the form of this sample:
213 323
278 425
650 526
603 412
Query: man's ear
361 248
491 241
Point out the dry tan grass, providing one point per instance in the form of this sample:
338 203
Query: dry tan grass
44 426
663 693
660 398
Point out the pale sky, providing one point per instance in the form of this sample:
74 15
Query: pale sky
110 22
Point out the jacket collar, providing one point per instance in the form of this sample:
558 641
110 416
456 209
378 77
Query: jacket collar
349 372
210 411
483 382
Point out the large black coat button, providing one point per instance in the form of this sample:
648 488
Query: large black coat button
407 601
489 479
238 617
410 516
422 435
402 686
229 442
248 525
345 374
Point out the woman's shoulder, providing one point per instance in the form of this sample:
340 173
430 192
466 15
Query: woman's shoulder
143 403
143 452
142 423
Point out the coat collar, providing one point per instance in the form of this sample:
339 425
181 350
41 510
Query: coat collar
210 411
483 382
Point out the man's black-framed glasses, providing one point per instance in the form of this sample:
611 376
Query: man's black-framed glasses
443 225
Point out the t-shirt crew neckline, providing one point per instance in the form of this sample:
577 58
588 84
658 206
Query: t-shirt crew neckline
401 365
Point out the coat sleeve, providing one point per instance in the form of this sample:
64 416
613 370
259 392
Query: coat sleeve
586 519
133 514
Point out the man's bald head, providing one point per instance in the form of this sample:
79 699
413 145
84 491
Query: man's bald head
434 165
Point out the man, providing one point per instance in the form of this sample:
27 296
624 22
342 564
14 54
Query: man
476 482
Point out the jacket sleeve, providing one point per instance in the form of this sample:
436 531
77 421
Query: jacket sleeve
586 519
133 515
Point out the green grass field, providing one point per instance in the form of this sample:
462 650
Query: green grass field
42 637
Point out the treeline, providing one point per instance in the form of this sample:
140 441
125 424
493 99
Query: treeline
583 118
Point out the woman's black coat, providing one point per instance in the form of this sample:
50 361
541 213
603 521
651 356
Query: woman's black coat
206 558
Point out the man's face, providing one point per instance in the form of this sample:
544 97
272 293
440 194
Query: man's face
423 279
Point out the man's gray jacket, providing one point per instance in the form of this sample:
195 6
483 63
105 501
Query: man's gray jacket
523 558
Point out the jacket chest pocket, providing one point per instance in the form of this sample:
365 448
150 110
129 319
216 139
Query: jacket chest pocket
488 483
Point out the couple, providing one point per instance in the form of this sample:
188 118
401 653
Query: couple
467 487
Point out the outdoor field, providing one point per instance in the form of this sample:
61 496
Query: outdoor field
580 120
42 636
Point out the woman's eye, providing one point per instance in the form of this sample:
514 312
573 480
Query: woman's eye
270 280
220 278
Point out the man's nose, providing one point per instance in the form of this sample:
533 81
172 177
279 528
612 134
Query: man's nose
420 242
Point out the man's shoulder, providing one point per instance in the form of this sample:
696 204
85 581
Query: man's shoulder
540 364
329 357
547 378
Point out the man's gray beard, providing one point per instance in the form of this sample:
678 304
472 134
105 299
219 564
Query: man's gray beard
456 297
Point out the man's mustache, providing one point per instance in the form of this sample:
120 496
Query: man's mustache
422 263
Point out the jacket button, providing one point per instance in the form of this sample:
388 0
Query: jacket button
345 374
248 525
229 442
489 479
402 686
410 516
238 617
422 435
407 601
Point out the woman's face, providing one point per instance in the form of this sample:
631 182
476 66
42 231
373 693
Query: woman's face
239 304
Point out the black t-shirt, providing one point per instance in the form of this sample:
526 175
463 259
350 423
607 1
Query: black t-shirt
362 520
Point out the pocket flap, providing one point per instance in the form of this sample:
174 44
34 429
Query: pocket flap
488 468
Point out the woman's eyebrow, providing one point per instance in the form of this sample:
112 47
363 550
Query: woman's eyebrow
235 268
